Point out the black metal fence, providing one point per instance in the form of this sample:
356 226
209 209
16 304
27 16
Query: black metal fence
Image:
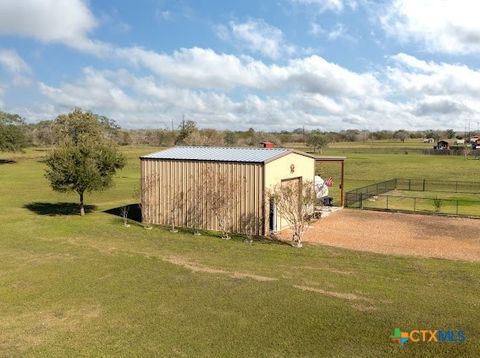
354 198
438 186
373 197
458 207
475 153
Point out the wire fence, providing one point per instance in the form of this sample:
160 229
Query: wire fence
374 197
458 207
438 186
354 197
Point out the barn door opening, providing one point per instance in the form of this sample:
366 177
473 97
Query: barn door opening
296 187
273 216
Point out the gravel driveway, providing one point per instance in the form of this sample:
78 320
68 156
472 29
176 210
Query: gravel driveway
399 234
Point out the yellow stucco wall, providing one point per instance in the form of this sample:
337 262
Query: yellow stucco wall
280 169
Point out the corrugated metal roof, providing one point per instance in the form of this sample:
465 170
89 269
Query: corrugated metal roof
220 154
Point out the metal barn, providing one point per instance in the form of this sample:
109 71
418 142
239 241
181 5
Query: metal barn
175 186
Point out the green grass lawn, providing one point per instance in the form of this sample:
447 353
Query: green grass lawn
89 286
362 169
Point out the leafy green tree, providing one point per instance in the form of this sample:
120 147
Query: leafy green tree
317 140
12 134
84 160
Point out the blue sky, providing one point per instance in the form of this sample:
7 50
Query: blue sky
326 64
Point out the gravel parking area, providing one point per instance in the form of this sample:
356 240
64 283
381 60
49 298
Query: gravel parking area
399 234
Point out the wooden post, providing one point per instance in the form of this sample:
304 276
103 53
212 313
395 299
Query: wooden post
342 184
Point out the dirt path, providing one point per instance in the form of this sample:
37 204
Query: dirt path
400 234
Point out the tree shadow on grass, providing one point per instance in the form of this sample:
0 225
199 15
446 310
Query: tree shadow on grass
54 209
7 161
134 212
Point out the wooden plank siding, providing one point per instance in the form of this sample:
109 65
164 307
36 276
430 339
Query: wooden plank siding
179 183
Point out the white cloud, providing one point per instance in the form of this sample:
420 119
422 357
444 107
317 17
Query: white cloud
69 22
235 91
338 31
442 94
147 102
12 62
316 29
152 101
257 37
448 26
440 105
415 76
204 68
18 69
163 15
93 91
328 5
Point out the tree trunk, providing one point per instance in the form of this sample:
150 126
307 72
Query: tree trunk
82 209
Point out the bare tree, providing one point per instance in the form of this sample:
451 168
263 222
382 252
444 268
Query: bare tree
295 200
220 194
177 202
196 208
124 213
140 193
251 224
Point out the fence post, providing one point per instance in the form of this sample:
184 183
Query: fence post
457 207
456 187
423 184
414 204
361 200
387 201
409 184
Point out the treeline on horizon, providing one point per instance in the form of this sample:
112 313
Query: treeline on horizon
16 134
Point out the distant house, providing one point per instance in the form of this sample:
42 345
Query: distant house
428 140
267 144
460 141
475 139
442 144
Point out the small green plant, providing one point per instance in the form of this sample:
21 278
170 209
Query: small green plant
437 204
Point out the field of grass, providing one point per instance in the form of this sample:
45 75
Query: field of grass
362 169
72 285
